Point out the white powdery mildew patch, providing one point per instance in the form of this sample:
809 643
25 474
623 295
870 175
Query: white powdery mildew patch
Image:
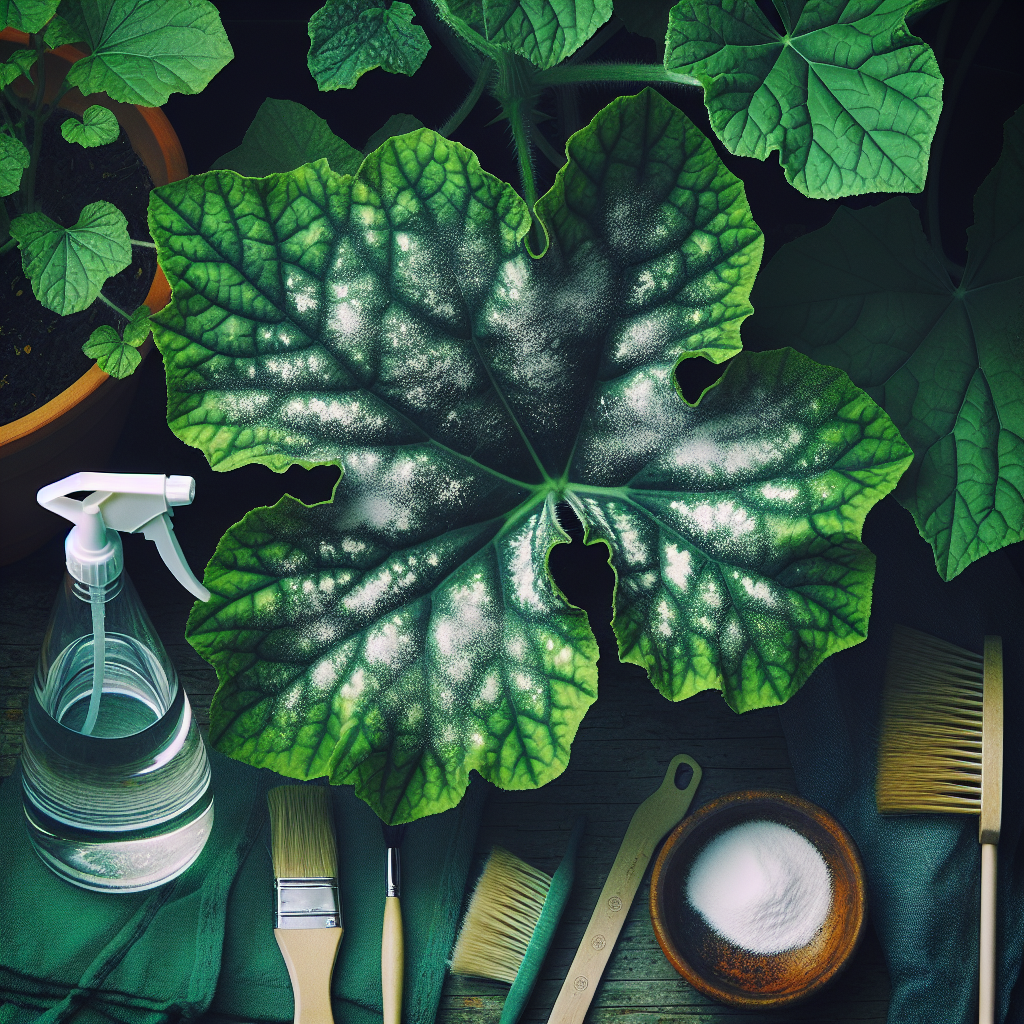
779 492
302 292
523 554
627 425
642 338
421 276
759 591
241 407
676 562
627 534
298 367
704 456
349 411
464 631
389 643
720 519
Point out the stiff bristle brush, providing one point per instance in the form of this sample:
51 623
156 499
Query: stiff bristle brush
392 942
307 922
511 920
941 751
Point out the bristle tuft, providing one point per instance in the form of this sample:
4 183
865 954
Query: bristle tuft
302 832
501 919
929 756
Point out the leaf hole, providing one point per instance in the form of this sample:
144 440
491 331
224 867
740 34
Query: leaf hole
696 374
582 573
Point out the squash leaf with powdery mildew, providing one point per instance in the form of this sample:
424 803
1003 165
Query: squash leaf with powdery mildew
868 294
847 95
394 323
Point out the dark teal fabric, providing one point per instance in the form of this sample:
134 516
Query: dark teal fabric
202 947
923 871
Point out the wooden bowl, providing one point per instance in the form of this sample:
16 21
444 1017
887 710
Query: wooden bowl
729 973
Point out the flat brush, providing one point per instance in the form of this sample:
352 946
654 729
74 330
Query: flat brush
511 920
941 751
392 943
307 922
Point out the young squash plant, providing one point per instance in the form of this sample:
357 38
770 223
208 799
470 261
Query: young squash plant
470 358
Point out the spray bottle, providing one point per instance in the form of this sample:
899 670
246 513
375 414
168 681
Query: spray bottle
116 781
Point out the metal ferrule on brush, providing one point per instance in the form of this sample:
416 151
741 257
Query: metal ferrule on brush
307 903
393 873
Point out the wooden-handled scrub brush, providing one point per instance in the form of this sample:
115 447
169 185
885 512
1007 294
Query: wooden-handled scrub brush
941 751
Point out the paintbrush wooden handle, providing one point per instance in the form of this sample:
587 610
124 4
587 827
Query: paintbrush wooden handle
987 950
392 960
310 954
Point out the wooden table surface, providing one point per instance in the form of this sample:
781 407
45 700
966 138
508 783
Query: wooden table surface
618 759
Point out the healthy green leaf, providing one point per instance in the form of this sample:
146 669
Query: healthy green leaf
15 66
138 328
97 127
142 51
26 15
69 266
284 135
14 158
350 37
848 96
59 32
543 31
114 356
397 124
395 324
868 294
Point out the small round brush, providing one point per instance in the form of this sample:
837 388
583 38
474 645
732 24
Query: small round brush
392 943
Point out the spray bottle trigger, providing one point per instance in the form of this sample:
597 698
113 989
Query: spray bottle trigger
159 531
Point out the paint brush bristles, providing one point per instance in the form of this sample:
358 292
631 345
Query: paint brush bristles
930 754
302 833
501 918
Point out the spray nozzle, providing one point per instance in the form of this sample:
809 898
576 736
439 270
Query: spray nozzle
125 503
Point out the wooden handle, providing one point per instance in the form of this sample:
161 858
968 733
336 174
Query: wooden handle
392 960
987 946
659 813
310 954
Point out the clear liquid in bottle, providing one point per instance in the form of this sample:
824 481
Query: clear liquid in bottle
125 804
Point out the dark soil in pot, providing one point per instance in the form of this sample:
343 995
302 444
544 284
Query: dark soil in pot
40 351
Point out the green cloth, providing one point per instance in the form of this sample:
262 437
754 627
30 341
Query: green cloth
923 870
202 946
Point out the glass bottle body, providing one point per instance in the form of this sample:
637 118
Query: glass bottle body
117 789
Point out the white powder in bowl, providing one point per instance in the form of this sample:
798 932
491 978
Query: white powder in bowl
762 886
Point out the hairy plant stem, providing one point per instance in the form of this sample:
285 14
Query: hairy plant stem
148 245
563 74
948 103
483 77
116 309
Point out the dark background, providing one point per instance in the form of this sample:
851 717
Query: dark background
270 61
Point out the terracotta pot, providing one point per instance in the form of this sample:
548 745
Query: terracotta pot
78 429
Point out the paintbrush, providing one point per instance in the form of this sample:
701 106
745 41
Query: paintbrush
941 751
307 923
392 943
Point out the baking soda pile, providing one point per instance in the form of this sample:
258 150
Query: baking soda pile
762 886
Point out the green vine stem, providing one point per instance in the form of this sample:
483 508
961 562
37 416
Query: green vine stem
563 74
116 309
948 103
483 77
